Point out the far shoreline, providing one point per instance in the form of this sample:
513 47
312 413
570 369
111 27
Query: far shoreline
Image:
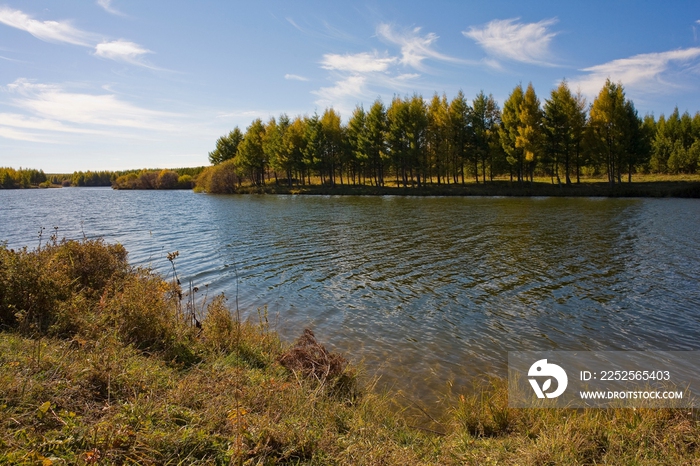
650 189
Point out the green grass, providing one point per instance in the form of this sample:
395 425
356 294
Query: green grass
103 366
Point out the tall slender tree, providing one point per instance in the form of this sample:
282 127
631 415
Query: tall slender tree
508 132
357 142
607 122
560 121
485 121
251 155
375 128
459 112
529 137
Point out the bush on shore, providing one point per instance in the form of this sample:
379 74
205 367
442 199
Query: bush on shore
103 363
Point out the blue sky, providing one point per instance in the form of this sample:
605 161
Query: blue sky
116 84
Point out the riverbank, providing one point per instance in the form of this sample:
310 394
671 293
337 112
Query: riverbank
101 363
655 189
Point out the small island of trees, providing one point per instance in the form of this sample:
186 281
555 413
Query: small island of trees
414 143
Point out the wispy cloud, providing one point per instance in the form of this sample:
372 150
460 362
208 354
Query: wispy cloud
15 120
54 31
364 76
49 31
11 59
296 26
414 47
295 77
18 135
521 42
644 72
351 86
122 50
52 109
357 63
325 31
107 5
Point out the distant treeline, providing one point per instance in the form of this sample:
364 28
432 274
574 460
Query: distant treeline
178 178
416 142
21 178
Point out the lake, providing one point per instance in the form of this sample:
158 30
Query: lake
426 292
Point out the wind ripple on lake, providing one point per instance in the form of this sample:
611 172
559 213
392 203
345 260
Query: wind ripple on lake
423 290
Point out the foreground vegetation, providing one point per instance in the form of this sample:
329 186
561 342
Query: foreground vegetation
102 363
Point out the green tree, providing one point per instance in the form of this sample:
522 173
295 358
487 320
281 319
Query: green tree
485 122
375 128
313 145
562 127
357 142
508 133
251 156
275 145
417 137
331 145
397 142
438 137
608 121
529 137
459 112
579 122
226 147
635 141
295 146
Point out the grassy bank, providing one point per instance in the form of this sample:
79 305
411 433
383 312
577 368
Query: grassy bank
101 363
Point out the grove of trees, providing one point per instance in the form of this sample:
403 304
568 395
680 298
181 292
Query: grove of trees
22 178
415 141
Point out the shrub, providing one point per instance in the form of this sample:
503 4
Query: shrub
30 290
167 179
219 179
185 182
37 286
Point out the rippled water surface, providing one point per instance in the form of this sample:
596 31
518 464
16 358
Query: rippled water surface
426 291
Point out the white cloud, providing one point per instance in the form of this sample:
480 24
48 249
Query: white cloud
122 50
350 86
49 31
11 133
523 42
15 120
107 5
54 108
295 77
54 31
414 47
365 76
357 63
644 72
